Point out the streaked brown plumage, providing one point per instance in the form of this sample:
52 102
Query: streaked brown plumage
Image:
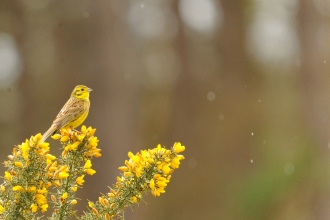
73 113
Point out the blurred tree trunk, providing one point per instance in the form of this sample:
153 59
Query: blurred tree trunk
231 45
11 128
202 123
314 77
314 72
114 97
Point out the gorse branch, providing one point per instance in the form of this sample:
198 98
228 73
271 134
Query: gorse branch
35 178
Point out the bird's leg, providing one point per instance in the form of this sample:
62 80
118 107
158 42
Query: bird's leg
76 130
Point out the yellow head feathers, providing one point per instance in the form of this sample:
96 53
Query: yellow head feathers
81 92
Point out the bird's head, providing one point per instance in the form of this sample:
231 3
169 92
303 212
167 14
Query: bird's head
81 92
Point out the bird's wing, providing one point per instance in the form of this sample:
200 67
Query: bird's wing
72 109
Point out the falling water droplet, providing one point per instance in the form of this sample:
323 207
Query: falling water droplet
289 168
211 96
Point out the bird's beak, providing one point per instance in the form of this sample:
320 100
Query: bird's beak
89 89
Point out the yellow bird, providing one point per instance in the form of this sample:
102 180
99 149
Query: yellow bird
73 113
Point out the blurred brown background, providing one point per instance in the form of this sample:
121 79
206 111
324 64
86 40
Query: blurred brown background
244 85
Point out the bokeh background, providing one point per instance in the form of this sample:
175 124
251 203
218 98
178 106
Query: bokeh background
243 84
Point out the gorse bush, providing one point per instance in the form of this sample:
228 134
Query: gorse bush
36 180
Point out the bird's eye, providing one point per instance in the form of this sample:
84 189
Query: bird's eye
82 89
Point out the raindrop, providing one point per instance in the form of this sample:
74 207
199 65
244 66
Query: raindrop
251 161
324 61
259 100
142 5
252 133
211 96
221 117
288 168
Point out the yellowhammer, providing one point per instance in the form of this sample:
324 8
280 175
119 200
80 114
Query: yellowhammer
73 113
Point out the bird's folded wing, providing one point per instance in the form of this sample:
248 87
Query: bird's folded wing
70 111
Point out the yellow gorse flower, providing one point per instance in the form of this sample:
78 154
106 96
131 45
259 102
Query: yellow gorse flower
34 208
65 195
134 199
8 176
90 204
178 148
40 199
88 169
32 189
63 175
44 145
25 149
57 136
18 164
18 188
176 161
80 180
74 188
44 207
50 157
63 138
88 164
73 202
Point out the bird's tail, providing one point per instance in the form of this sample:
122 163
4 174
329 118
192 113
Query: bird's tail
49 132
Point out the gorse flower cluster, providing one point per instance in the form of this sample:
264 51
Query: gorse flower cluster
148 170
32 171
36 180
